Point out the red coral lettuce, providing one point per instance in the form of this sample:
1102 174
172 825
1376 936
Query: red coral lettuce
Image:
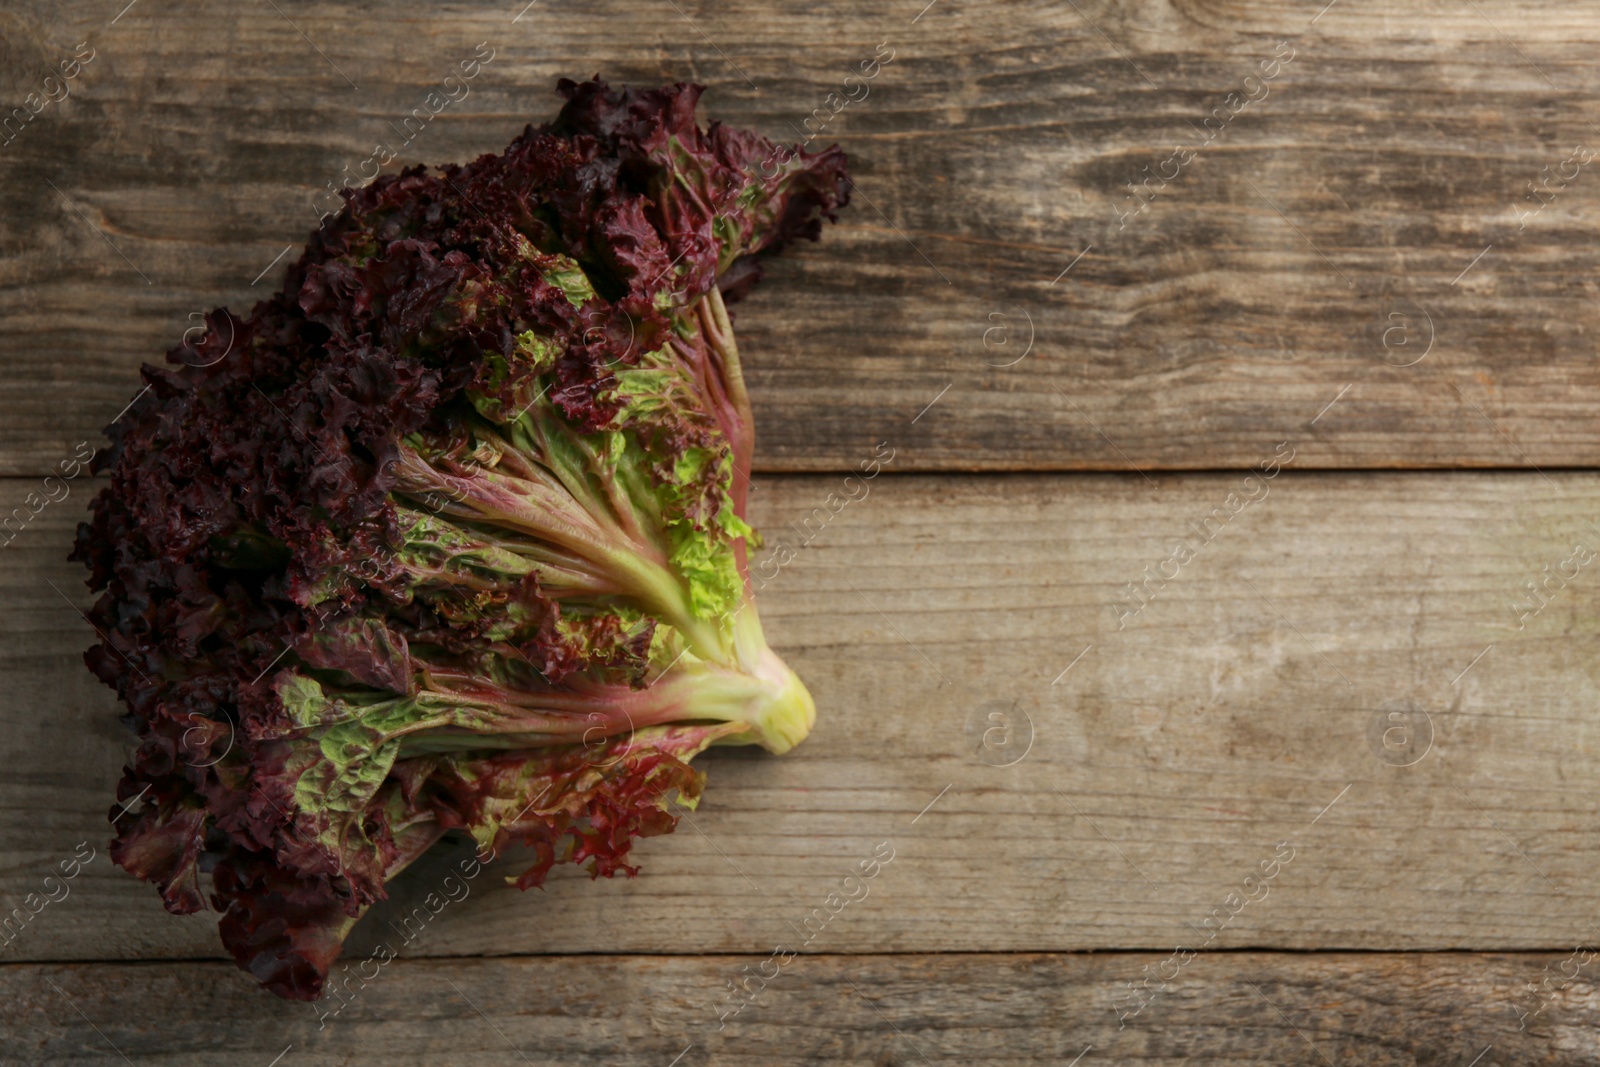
449 533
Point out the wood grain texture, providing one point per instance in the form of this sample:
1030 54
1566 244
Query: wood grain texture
1223 1010
1371 206
1122 794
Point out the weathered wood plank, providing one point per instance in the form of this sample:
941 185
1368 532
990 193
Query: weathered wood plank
1373 204
1221 1010
1244 707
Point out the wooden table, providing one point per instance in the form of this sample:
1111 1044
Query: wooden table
1368 270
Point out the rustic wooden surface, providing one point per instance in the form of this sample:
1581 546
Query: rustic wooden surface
1224 1010
1391 151
1343 670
